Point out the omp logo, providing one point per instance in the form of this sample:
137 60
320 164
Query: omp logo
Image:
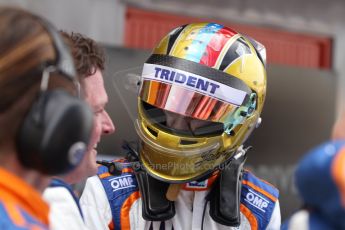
256 200
122 182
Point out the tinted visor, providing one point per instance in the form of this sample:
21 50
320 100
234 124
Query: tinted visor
179 100
178 124
185 101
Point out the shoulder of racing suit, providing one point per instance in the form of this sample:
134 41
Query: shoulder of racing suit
122 191
258 199
21 206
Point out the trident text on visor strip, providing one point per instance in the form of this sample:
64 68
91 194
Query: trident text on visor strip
194 82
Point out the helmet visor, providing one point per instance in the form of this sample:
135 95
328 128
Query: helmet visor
185 102
188 94
201 105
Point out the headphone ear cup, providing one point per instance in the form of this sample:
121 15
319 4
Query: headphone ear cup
54 136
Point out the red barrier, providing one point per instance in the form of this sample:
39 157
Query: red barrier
143 29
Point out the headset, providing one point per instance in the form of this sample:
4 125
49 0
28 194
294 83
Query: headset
54 135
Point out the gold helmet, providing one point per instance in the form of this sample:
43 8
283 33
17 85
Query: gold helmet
202 92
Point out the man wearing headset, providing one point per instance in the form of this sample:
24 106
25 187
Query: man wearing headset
44 127
65 212
202 91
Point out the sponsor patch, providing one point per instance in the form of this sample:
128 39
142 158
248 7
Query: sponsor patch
257 200
122 182
196 184
194 82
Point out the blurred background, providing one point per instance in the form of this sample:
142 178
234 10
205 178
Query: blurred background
306 66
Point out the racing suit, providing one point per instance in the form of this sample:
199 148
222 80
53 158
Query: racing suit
114 202
21 206
65 212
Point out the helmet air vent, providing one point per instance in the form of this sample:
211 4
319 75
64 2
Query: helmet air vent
187 142
153 132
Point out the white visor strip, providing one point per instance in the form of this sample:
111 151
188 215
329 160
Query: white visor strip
193 82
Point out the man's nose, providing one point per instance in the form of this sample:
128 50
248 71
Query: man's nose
108 125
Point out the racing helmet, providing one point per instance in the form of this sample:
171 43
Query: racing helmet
201 94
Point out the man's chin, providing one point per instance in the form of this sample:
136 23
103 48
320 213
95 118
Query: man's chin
94 153
93 166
